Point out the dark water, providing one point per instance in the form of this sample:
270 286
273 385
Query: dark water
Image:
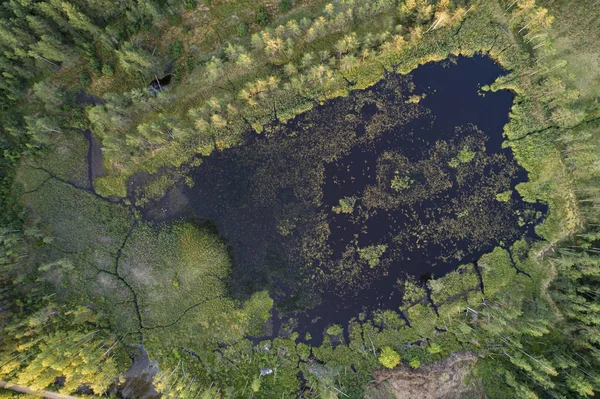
160 84
138 380
272 199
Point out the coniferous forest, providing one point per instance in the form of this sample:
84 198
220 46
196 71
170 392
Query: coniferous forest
300 199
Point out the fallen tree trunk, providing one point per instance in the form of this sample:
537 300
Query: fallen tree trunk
42 393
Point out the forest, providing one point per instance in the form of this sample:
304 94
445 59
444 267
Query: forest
299 198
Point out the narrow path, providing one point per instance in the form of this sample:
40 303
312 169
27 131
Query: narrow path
517 269
480 277
76 186
584 122
88 136
121 278
184 313
27 390
430 300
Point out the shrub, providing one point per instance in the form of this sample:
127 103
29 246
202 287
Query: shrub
174 19
401 182
190 4
346 205
504 196
434 348
190 62
389 358
335 329
242 29
465 155
285 5
372 254
84 79
178 73
95 66
133 29
145 24
176 49
262 19
107 70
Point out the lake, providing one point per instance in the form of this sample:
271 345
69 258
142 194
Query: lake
332 210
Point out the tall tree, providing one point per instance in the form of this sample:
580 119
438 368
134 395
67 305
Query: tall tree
54 343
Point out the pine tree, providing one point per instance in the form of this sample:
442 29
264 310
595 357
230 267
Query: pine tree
79 20
52 343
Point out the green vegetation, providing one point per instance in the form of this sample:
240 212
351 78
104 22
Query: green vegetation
372 254
504 196
64 349
335 329
389 358
346 205
464 156
84 274
401 182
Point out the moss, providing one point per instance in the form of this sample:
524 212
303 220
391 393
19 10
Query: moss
497 271
504 196
77 220
346 205
335 330
549 180
423 320
389 319
372 254
454 284
401 182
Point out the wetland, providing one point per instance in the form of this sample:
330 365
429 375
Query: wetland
316 199
336 210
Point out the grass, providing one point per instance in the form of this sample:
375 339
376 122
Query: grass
66 158
82 235
173 268
180 275
76 220
550 181
577 28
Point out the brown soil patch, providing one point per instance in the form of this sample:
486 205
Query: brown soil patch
440 380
